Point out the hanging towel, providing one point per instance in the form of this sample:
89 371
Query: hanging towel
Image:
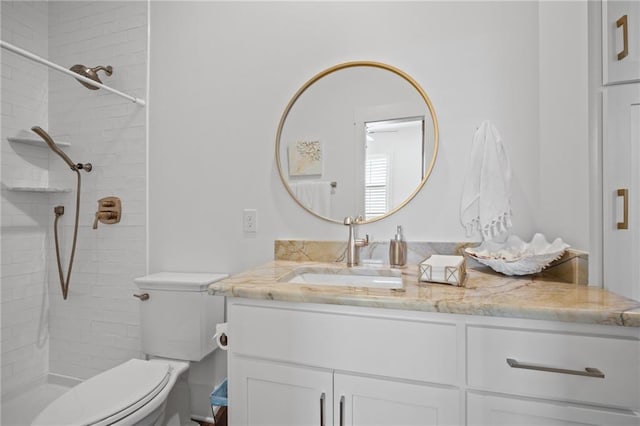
314 195
486 196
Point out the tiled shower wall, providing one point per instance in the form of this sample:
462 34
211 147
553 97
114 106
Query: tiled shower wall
25 218
97 327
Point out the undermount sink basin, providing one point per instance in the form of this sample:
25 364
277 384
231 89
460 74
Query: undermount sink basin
352 277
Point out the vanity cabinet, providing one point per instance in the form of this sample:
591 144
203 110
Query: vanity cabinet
372 369
312 364
620 41
289 395
621 189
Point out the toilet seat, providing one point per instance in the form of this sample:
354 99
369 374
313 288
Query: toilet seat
110 396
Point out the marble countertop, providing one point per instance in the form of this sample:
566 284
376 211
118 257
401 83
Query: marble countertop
485 293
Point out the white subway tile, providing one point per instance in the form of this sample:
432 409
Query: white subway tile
98 326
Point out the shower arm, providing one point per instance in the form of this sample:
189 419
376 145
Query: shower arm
25 53
108 70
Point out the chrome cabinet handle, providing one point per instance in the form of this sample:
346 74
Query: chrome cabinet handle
622 22
322 398
342 410
588 371
143 296
624 193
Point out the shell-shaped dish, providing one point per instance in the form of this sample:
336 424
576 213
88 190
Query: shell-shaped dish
516 257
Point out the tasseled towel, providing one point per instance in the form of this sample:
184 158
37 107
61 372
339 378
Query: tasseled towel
486 196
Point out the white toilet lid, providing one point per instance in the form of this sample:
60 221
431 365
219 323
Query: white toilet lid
111 395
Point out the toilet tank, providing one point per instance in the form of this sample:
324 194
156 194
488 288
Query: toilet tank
179 318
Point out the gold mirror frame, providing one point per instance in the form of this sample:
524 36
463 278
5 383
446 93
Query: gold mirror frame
343 66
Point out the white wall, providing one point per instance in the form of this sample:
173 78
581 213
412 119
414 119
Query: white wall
25 218
222 74
564 128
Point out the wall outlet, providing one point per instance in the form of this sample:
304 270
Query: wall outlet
249 220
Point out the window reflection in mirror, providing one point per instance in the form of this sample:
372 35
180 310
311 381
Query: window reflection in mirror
394 162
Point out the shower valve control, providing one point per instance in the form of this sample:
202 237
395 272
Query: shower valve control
109 211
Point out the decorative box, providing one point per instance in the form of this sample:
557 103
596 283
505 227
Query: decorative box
443 269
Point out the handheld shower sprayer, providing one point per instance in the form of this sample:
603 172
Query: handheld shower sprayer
45 136
59 210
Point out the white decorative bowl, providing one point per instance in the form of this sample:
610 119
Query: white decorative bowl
515 257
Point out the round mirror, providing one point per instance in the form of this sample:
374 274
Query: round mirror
357 139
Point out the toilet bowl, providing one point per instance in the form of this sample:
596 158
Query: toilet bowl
177 321
134 391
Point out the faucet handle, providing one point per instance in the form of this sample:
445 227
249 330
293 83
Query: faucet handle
359 219
362 242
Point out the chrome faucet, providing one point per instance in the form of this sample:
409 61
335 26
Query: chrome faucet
354 244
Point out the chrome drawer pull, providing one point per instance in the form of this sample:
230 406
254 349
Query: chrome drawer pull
588 371
341 411
322 397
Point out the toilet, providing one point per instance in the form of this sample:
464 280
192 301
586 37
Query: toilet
177 321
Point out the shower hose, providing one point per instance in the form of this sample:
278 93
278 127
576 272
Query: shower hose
59 211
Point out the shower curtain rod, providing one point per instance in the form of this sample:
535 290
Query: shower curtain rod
57 67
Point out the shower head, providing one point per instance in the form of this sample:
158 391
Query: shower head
45 136
91 73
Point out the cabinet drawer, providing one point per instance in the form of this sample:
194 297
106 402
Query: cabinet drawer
492 410
618 359
385 346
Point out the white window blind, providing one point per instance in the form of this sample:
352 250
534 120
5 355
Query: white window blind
376 186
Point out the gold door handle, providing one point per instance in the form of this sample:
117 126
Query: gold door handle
588 371
624 193
622 22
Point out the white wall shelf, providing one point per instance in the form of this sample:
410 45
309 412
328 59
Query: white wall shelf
37 142
42 189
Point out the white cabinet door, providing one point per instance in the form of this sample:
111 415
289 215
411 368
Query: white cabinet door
491 410
621 179
620 41
365 401
270 394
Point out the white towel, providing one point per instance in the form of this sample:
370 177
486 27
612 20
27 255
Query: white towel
486 196
314 195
